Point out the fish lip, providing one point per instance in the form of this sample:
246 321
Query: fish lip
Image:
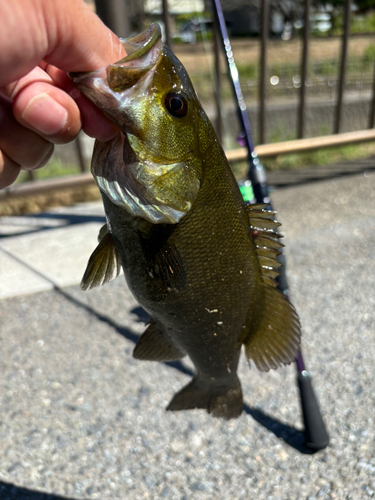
138 45
115 87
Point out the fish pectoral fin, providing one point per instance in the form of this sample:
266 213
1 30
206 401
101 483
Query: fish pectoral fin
276 338
168 266
103 232
104 264
153 346
222 402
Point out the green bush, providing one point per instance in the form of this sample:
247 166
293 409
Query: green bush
363 23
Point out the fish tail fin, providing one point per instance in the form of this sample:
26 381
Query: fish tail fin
193 395
276 338
228 401
221 401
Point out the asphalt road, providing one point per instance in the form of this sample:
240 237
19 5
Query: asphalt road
80 418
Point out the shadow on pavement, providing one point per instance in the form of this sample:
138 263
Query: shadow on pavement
67 219
290 435
9 491
293 437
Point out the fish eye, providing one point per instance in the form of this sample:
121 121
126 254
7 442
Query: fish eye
177 105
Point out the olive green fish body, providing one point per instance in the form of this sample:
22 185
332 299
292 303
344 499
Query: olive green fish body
209 303
202 307
197 259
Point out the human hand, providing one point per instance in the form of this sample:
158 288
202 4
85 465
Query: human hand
40 40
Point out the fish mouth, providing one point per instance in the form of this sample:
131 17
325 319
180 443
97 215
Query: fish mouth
143 52
107 87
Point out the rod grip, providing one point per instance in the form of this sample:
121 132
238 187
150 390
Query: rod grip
315 431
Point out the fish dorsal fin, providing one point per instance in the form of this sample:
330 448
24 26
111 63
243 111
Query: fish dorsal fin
275 338
104 264
153 346
265 235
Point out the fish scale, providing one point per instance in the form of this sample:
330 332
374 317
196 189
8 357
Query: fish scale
198 260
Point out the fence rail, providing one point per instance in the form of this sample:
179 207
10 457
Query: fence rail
234 155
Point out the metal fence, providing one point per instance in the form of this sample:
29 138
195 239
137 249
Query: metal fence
301 79
296 87
306 77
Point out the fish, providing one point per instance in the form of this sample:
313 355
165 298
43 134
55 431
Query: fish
200 261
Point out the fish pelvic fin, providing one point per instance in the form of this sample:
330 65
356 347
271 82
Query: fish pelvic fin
104 264
276 337
153 346
220 401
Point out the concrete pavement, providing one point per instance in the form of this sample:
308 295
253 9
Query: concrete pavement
40 251
80 418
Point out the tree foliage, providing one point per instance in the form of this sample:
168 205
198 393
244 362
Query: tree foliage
362 5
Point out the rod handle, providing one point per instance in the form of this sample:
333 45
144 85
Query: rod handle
315 431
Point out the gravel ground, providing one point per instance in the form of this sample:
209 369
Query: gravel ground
80 418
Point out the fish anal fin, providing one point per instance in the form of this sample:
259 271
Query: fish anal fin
221 402
153 346
276 337
104 264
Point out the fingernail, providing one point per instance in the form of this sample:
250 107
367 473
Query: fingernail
45 114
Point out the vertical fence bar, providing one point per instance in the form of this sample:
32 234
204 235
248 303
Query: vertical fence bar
372 107
344 51
114 14
302 102
217 83
81 159
31 175
262 80
167 25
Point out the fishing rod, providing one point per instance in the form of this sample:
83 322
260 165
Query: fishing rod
315 431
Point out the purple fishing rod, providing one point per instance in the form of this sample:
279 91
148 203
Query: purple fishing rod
315 431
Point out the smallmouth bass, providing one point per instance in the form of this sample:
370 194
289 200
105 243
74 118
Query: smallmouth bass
197 259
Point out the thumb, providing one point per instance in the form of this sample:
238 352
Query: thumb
66 34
